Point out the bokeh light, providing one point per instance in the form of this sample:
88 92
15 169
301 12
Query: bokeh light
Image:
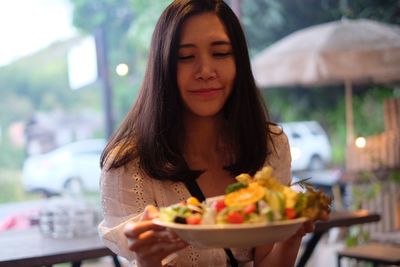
122 69
361 142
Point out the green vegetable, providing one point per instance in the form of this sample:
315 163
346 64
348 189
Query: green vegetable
234 187
301 203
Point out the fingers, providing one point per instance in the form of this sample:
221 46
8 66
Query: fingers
309 226
149 238
150 212
306 227
133 230
150 242
153 246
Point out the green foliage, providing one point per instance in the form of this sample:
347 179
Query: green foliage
368 109
111 14
266 21
357 236
365 193
136 45
368 189
395 176
383 10
326 105
128 25
38 83
143 26
10 186
261 19
10 156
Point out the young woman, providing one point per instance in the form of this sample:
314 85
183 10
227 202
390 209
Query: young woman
199 117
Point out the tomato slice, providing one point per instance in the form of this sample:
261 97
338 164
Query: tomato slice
193 220
219 205
249 209
235 217
290 213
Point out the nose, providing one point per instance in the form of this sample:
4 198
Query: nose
205 70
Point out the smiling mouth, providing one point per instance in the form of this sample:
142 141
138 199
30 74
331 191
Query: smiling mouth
205 90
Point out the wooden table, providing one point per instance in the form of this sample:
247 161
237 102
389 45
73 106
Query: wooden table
337 219
375 253
29 248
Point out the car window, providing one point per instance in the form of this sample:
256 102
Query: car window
296 135
315 129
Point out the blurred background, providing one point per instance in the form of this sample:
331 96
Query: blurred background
52 92
70 71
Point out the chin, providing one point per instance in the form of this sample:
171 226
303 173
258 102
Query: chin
208 113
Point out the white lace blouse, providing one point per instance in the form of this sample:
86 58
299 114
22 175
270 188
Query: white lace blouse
126 191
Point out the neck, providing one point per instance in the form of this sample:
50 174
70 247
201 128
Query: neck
202 140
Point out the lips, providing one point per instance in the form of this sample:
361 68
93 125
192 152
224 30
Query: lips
206 92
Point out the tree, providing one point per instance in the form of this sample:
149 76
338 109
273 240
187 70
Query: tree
266 21
28 86
33 84
128 25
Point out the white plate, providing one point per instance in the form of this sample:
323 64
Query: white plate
234 235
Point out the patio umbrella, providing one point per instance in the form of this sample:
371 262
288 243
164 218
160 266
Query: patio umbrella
346 51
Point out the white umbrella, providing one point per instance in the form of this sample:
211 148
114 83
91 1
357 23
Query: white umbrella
346 51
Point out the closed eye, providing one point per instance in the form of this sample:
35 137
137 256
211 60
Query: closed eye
222 54
185 57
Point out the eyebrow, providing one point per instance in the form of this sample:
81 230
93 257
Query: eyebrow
216 43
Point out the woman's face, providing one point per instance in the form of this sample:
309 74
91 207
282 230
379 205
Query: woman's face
206 65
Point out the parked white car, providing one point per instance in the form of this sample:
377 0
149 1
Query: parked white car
72 165
309 145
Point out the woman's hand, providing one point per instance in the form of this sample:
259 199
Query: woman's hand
150 242
309 226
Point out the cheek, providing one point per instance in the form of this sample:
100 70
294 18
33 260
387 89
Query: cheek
229 69
183 84
182 77
229 74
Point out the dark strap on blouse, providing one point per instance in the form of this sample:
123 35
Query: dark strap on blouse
195 191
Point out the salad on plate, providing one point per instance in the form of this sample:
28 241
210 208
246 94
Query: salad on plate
251 200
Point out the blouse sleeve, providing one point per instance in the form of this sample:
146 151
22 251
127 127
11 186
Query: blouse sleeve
125 193
280 158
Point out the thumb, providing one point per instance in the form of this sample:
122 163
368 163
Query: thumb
150 212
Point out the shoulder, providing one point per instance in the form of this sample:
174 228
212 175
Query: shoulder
277 137
118 152
120 167
126 183
279 157
120 172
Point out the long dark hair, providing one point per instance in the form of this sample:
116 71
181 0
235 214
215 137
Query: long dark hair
152 130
